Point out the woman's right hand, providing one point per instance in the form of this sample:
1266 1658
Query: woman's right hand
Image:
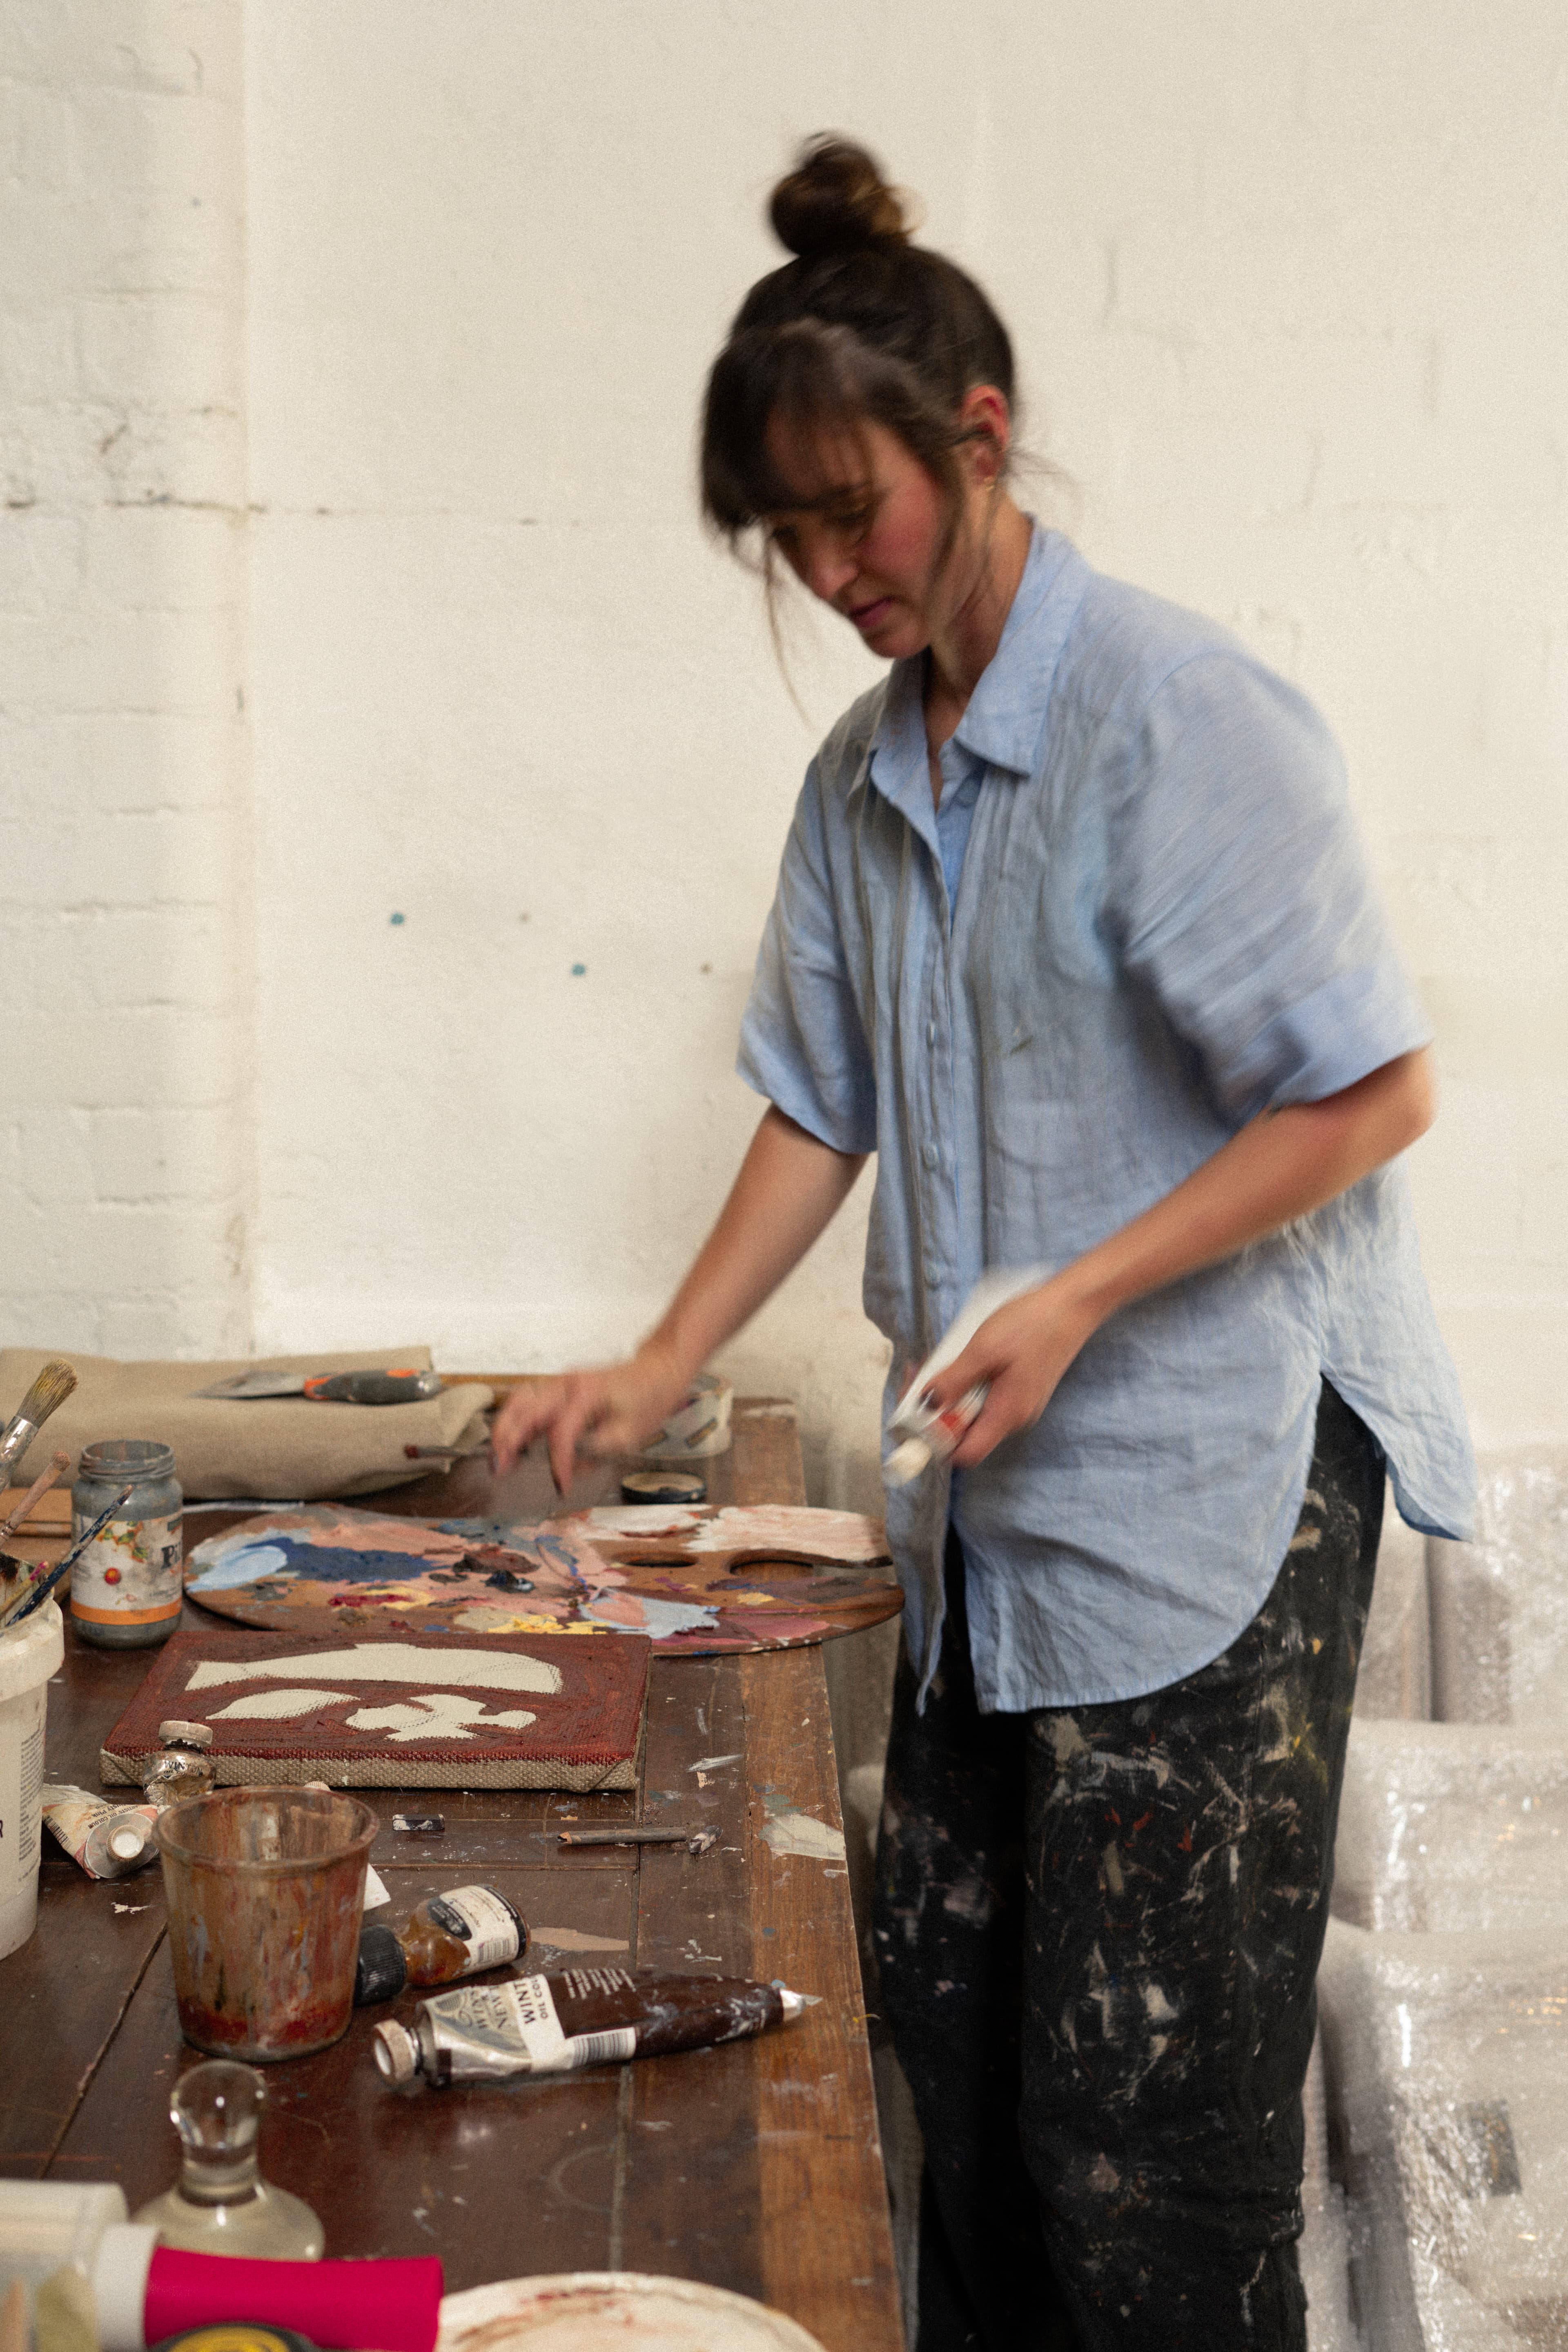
788 1187
611 1409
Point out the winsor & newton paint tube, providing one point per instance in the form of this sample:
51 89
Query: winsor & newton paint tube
108 1841
584 2017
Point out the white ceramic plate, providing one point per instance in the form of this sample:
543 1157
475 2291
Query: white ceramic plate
589 2311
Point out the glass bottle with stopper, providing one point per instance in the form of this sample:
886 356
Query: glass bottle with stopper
184 1768
221 2204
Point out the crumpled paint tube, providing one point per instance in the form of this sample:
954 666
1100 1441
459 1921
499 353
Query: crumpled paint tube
584 2017
107 1841
926 1435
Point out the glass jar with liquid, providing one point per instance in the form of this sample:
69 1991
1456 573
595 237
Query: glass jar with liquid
126 1587
220 2204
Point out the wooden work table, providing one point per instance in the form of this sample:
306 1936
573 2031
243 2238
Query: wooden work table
755 2168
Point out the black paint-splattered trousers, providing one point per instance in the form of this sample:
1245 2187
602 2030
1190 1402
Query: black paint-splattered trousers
1098 1930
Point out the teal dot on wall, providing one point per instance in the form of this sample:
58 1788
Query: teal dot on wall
400 919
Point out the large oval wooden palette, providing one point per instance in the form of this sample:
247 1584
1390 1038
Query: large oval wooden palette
693 1578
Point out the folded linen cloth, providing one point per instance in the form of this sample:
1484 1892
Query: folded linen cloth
271 1446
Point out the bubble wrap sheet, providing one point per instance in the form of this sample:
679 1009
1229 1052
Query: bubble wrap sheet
1448 2073
1499 1606
1325 2246
1395 1676
1449 1827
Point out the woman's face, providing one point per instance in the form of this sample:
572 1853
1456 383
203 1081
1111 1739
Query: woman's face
868 535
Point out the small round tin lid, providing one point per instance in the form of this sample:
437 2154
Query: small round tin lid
663 1487
236 2336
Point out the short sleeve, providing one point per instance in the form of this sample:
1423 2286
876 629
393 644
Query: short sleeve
802 1043
1243 894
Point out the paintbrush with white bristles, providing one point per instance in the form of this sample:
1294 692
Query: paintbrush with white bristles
51 1388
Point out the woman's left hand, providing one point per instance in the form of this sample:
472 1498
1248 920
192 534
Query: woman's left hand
1281 1165
1021 1353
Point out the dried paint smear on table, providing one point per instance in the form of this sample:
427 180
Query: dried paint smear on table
422 1711
787 1829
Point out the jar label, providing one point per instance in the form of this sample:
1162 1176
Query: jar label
485 1921
130 1575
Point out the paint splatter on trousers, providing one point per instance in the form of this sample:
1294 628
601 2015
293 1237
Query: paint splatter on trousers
1097 1931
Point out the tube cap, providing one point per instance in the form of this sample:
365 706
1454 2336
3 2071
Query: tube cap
396 2053
189 1735
907 1461
382 1970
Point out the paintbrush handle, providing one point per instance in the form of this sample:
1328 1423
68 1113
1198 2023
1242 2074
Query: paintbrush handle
35 1494
638 1834
38 1587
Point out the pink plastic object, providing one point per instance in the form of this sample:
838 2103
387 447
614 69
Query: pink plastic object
267 1892
395 2305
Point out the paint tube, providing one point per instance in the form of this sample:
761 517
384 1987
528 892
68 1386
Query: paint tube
584 2017
108 1841
145 2293
924 1434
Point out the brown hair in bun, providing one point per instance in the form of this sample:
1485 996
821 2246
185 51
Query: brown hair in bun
861 327
833 200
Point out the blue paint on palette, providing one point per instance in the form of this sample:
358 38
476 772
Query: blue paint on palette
243 1563
661 1618
280 1555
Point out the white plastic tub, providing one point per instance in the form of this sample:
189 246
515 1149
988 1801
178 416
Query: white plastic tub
29 1653
47 2224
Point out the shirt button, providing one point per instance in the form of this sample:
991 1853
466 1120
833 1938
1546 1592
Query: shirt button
933 1274
929 1153
931 1033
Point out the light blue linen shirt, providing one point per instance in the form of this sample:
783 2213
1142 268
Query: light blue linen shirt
1162 925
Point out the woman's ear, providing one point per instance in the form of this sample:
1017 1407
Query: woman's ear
987 424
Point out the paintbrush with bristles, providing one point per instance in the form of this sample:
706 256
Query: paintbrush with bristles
40 1487
51 1388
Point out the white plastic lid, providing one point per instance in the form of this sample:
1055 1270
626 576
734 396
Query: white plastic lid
119 2269
31 1652
397 2055
129 1842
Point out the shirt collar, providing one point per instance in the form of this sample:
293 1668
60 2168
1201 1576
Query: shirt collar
1007 711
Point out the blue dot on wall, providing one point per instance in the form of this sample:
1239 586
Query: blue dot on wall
400 919
578 971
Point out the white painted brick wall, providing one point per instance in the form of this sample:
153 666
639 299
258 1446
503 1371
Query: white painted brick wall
124 898
1288 292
